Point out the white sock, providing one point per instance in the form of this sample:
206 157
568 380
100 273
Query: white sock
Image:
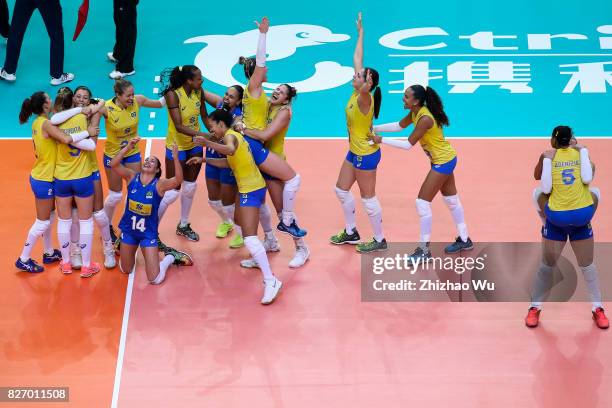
170 196
228 210
265 218
87 230
36 230
163 267
374 211
63 236
424 212
217 207
542 285
75 232
110 204
456 209
290 190
238 230
592 283
47 239
187 193
348 206
534 199
258 253
103 224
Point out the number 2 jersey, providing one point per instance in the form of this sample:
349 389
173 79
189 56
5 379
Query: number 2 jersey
140 218
568 191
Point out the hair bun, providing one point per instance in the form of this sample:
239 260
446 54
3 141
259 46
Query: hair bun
242 60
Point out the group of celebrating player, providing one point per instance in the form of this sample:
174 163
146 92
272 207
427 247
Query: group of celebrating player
244 157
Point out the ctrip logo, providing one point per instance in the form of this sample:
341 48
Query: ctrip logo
283 41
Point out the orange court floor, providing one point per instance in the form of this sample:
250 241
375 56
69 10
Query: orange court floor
202 338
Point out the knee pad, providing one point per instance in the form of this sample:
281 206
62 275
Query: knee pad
372 206
596 192
189 189
452 202
589 272
63 226
114 197
343 195
101 218
294 183
40 227
537 192
87 226
423 208
170 196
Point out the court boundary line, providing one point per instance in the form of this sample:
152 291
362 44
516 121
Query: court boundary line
126 317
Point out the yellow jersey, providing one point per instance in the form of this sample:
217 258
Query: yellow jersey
243 166
434 144
121 126
72 163
93 161
46 152
568 192
254 110
277 143
189 106
359 126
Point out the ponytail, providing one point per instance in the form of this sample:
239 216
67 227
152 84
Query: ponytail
32 105
248 66
63 100
375 89
173 78
562 136
429 97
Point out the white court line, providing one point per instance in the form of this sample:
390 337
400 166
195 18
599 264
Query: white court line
126 317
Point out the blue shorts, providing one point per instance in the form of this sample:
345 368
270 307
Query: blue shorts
184 155
42 189
138 240
259 152
367 162
95 176
253 199
445 168
82 187
130 159
222 175
572 224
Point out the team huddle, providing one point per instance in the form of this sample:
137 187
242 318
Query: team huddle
244 157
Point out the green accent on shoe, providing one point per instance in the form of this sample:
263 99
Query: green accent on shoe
372 246
187 232
161 247
180 258
344 238
236 242
223 229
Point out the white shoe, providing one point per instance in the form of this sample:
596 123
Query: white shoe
302 254
76 259
7 77
109 258
118 75
271 289
65 77
111 57
271 244
249 263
